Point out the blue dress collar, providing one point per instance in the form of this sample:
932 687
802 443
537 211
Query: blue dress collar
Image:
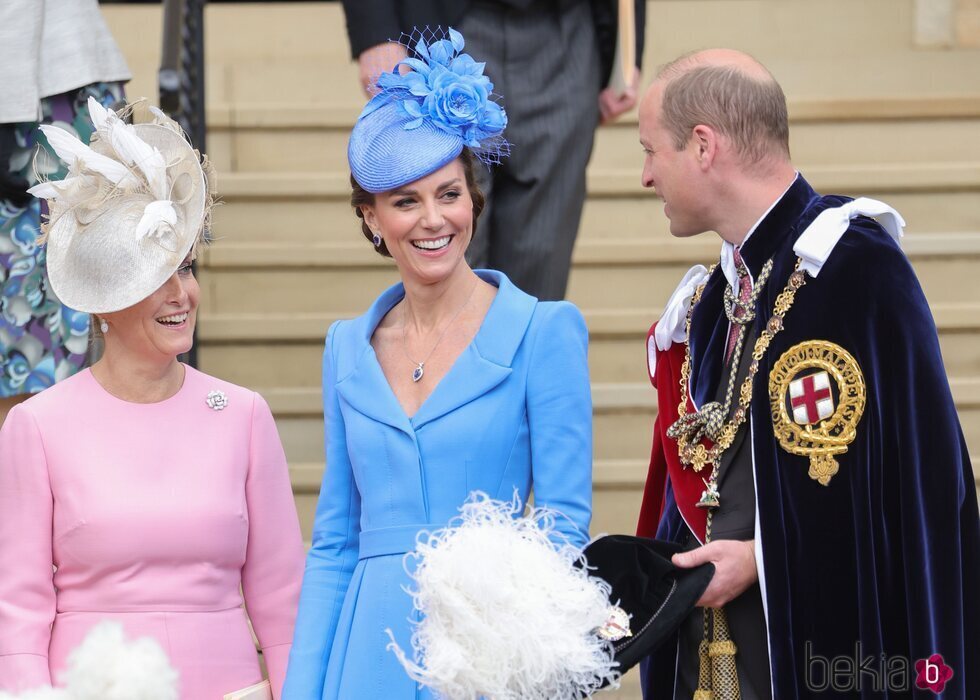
482 365
503 327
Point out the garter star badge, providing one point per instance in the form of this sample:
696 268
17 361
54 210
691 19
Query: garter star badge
617 625
817 394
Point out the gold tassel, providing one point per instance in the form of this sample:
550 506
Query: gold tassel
717 673
724 675
704 691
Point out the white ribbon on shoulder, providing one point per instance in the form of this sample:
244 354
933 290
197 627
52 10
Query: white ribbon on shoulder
670 328
820 238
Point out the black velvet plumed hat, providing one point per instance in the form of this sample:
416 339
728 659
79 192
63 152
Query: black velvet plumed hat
656 595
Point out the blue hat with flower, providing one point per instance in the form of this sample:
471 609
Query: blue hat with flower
423 118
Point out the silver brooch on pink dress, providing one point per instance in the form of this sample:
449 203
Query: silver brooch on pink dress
217 400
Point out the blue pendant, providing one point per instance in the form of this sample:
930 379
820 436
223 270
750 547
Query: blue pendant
419 371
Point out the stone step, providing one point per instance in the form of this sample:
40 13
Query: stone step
291 355
315 209
319 143
871 178
302 112
833 143
640 216
623 416
232 254
331 279
299 51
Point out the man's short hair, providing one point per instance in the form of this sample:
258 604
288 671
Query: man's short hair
749 111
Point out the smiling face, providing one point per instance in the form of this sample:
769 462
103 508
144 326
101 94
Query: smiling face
676 175
427 224
162 325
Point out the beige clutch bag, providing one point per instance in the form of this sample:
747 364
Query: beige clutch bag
259 691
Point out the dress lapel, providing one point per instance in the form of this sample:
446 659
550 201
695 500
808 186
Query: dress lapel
486 362
362 383
366 389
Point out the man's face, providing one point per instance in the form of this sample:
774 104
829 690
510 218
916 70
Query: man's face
676 176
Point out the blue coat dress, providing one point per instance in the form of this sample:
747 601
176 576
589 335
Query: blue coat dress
514 410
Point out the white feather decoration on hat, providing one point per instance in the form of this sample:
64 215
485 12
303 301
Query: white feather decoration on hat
74 152
105 666
507 613
158 114
97 113
134 151
53 189
157 217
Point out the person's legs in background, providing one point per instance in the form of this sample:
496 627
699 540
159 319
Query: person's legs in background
548 66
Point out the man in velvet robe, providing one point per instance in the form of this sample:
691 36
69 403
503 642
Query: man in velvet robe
839 584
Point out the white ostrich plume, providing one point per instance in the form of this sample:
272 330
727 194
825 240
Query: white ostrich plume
508 611
107 667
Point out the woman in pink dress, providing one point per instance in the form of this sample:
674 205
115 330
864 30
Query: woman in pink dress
142 490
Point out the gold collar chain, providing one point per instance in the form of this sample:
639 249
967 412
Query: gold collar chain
693 452
710 418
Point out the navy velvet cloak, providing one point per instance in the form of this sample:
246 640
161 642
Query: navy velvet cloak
886 558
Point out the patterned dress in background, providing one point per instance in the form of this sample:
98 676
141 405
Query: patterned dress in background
41 340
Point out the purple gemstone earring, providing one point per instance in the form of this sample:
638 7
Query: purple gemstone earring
376 239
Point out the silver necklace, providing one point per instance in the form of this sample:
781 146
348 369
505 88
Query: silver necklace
419 370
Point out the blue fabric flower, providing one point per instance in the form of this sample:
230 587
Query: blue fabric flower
446 88
24 236
41 376
75 322
16 370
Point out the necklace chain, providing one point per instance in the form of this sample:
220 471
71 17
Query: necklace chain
419 370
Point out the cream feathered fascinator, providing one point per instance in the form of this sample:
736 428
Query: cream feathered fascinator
135 202
105 666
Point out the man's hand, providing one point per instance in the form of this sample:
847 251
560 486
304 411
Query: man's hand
735 569
613 103
377 60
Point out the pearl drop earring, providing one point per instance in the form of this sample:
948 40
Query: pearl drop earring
104 327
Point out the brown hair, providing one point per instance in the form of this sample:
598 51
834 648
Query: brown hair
751 112
360 197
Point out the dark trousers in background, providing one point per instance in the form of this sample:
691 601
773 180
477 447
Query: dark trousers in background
544 61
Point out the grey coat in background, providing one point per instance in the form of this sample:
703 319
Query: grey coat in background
48 47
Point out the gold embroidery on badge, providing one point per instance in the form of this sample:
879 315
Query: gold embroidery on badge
807 418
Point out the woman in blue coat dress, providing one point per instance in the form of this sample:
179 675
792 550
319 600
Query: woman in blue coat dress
454 381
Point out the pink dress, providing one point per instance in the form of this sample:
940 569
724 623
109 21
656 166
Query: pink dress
160 516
